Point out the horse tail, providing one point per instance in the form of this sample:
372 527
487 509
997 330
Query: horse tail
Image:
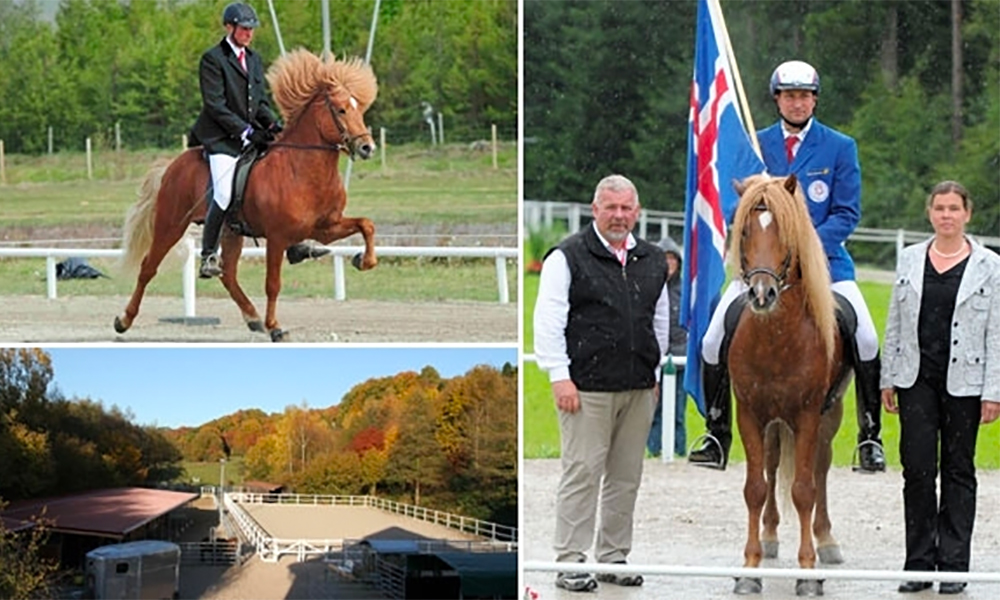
786 466
137 236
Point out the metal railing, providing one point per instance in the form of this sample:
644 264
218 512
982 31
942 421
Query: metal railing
338 255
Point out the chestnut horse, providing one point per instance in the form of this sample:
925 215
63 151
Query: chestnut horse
785 362
293 193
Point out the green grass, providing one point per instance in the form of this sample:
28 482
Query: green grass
447 187
207 473
541 426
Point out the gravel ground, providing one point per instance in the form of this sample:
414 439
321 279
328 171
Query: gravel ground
693 516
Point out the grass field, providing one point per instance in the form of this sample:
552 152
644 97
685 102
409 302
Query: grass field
431 193
207 473
541 427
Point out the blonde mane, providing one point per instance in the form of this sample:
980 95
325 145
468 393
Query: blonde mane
296 77
797 234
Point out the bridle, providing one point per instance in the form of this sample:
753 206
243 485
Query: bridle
346 144
780 277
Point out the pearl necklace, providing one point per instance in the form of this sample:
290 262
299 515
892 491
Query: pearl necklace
942 254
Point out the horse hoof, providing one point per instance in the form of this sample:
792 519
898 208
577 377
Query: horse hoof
356 261
119 326
748 585
256 325
809 587
277 335
770 548
830 555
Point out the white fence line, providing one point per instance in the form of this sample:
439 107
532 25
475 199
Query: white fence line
338 253
763 572
544 214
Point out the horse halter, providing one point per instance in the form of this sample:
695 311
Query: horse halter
346 139
780 277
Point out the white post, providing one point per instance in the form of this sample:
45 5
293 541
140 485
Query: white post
118 136
184 142
668 395
188 278
643 222
50 277
440 129
501 265
900 243
3 165
574 218
494 133
381 143
90 162
50 139
339 286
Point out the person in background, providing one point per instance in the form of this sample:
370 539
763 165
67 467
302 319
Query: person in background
602 322
941 375
678 347
825 162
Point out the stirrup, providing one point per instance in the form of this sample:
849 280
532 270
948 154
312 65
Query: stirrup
210 267
856 457
703 440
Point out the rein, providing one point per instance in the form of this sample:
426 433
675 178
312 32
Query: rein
346 145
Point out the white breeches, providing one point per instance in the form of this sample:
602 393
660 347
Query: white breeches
223 167
866 337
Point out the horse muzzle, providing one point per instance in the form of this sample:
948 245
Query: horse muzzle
763 294
363 148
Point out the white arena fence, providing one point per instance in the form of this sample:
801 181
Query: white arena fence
338 255
540 214
497 537
762 572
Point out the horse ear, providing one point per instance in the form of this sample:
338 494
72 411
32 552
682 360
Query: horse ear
791 182
739 187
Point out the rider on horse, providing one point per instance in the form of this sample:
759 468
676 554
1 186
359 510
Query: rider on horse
235 114
825 162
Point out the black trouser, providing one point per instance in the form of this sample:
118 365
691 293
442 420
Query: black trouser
938 537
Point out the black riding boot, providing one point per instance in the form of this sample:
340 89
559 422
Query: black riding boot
871 456
714 452
210 263
297 253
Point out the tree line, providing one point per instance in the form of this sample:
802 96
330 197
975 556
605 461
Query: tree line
916 83
444 443
449 444
107 61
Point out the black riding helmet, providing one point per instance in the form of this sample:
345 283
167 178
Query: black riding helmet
240 14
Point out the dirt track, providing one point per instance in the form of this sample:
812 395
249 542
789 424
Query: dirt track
696 517
88 319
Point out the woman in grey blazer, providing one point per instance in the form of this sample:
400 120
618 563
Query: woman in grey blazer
942 361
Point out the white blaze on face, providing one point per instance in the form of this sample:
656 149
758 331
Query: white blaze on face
765 219
354 103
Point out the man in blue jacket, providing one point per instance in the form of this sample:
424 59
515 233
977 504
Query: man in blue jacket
825 162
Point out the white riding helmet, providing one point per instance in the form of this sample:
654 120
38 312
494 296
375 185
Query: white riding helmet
795 75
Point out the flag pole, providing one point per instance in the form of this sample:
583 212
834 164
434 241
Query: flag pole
716 9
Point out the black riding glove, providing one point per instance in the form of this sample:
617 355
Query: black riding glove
260 138
274 129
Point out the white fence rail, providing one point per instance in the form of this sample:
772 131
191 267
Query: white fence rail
540 214
338 254
271 549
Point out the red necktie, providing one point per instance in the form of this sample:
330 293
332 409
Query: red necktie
790 142
243 60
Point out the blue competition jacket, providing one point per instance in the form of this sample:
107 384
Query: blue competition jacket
828 171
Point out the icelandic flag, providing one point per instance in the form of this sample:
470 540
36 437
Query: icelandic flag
719 151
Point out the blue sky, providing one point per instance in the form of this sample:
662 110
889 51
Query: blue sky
192 385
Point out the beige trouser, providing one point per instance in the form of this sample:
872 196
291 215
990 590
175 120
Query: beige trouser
605 439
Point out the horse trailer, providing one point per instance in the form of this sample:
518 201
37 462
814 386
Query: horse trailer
147 569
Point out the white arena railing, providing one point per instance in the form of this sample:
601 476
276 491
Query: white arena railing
338 254
271 549
762 572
